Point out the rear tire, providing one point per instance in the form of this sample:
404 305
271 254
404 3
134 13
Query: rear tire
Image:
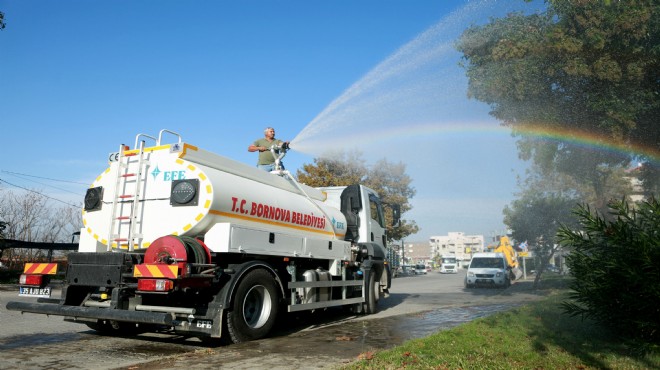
255 307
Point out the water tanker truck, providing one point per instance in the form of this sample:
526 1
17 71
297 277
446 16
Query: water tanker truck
182 240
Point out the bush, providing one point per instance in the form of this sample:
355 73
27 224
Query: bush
616 266
9 276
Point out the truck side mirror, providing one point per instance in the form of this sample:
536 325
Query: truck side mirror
396 214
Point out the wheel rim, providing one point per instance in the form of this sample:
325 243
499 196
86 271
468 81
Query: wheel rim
257 307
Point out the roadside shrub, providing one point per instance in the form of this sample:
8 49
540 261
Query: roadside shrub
9 276
616 266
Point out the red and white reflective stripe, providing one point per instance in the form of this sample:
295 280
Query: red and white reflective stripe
156 271
40 268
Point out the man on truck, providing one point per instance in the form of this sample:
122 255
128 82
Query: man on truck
266 159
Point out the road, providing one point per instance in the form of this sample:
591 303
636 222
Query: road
416 307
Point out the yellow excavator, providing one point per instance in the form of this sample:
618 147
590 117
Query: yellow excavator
506 248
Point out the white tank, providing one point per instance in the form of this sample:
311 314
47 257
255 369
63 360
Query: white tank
214 189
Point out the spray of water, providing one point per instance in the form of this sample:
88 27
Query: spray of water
412 108
420 83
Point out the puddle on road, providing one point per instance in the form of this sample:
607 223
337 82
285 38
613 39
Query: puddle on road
148 350
32 340
322 338
424 324
349 339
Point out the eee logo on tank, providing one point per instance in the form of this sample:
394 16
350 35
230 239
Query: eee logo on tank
168 175
337 224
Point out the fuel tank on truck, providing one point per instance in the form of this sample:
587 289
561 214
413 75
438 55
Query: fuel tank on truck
180 189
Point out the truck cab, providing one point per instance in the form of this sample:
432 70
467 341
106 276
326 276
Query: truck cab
448 264
363 210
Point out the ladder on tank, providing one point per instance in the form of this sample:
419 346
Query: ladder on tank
125 193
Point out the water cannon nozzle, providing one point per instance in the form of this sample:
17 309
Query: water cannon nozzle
286 146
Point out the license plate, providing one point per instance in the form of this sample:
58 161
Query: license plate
25 291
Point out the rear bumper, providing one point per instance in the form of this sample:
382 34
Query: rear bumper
142 317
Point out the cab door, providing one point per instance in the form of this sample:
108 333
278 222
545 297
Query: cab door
376 232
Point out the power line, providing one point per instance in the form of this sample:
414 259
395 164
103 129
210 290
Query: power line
21 176
42 194
45 178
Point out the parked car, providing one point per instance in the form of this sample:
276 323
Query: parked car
552 268
487 269
420 270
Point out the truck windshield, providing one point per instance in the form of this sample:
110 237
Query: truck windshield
487 262
449 260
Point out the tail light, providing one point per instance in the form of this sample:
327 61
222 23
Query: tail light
27 279
155 285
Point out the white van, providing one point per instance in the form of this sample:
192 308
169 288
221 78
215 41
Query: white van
487 269
420 269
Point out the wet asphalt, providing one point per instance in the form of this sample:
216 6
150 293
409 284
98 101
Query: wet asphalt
327 339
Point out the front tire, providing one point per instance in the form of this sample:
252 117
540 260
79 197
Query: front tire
373 293
255 307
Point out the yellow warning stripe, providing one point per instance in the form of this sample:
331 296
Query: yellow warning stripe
148 149
40 268
185 149
156 271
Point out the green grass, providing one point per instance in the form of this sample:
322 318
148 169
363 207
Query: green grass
535 336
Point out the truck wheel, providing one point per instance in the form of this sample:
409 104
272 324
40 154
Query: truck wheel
373 294
255 307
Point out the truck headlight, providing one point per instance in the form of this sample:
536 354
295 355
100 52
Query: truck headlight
94 199
184 193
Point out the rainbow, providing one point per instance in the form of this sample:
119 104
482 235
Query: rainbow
365 135
588 139
569 135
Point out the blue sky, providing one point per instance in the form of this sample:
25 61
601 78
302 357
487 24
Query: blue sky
79 78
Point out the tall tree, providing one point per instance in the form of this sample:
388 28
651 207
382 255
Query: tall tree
389 180
581 65
536 217
394 187
340 169
2 21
